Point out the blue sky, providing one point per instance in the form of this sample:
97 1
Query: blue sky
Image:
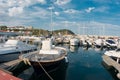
81 16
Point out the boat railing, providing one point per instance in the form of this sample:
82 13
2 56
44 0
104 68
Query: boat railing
28 54
16 46
2 46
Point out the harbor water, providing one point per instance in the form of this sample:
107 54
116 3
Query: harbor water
84 64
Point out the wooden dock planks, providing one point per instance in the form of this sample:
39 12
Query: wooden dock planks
11 63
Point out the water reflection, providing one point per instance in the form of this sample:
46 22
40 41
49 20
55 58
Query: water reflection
86 48
85 64
74 48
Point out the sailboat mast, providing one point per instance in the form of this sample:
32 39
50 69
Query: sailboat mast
66 26
51 21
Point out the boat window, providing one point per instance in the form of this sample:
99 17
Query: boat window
110 41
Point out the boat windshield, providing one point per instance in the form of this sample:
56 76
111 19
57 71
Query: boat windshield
118 49
110 41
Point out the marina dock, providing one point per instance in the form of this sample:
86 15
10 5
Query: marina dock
111 63
10 63
5 74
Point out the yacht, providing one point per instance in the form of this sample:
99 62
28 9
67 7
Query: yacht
74 42
11 49
114 54
111 43
99 43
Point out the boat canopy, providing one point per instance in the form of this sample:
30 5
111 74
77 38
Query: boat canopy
14 42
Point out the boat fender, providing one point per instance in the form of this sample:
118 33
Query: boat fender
24 60
28 62
66 59
118 75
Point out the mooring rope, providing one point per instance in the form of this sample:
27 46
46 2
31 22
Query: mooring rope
13 67
45 71
27 62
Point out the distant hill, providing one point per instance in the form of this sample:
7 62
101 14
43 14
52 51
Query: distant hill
36 32
63 32
55 32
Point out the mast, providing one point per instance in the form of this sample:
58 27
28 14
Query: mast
51 21
78 28
103 30
66 25
51 17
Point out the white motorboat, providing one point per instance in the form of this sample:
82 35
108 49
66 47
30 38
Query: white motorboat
99 43
115 54
111 43
73 48
74 42
11 49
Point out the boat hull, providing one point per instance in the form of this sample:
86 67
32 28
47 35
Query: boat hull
13 55
48 66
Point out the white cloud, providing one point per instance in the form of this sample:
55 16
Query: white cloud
37 13
57 13
21 3
71 11
50 8
11 2
19 14
89 9
101 9
24 3
62 2
15 11
11 6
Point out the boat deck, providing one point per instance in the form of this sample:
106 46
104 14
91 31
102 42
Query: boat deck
44 57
